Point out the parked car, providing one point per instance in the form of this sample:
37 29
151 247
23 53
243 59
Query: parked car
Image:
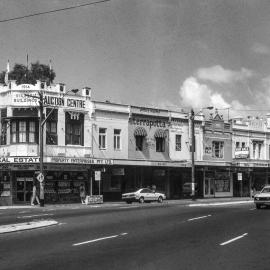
187 189
262 198
143 195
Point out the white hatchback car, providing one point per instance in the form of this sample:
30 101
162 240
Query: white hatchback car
262 198
143 195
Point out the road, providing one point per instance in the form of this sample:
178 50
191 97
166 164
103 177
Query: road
148 236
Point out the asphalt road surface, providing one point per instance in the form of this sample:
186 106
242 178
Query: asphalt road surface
148 236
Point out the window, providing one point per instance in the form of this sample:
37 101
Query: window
237 144
32 131
117 139
4 133
178 142
139 143
51 133
102 138
74 128
160 144
218 149
23 131
243 144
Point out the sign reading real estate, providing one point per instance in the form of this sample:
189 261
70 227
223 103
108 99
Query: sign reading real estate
241 152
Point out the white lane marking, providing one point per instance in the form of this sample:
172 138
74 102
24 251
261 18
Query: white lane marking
234 239
99 239
252 209
23 212
40 215
199 217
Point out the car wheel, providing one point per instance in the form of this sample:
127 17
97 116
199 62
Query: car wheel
258 206
141 200
160 199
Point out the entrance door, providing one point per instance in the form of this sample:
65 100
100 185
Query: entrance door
209 187
24 188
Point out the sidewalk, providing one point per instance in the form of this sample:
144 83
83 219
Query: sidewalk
187 202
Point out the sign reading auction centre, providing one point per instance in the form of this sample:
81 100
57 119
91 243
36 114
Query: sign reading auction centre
20 99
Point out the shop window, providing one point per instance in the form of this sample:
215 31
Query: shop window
23 131
218 149
74 128
117 139
160 144
139 143
178 142
102 138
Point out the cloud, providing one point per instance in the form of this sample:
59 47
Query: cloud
218 74
197 95
260 49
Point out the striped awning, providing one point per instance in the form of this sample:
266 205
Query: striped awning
140 131
160 133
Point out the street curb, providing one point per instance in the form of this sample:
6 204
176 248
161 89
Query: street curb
219 203
26 226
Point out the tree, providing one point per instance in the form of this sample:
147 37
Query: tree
21 74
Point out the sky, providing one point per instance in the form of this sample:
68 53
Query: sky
169 54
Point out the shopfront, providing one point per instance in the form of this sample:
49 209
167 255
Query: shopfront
217 182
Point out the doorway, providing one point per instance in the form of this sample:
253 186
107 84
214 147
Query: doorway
24 185
209 187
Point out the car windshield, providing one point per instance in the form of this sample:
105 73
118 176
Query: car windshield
266 190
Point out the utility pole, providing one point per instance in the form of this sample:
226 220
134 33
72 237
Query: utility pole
192 116
41 152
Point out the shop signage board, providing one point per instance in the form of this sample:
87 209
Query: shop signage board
66 160
241 152
97 175
239 176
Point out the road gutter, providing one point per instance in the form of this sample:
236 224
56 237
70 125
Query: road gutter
26 226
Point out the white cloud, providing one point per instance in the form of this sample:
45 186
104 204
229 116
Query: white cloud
197 95
260 49
218 74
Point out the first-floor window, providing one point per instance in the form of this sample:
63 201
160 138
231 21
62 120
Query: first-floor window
117 139
51 132
4 133
177 142
74 128
23 131
218 149
160 144
102 138
139 143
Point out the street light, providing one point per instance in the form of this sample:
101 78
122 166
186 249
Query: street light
42 122
192 118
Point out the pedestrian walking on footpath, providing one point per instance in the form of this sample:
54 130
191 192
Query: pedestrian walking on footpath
34 195
82 193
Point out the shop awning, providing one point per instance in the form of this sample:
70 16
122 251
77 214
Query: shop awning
140 131
160 133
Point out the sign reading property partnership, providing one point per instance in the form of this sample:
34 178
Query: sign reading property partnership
23 100
56 160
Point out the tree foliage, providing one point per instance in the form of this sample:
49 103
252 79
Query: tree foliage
21 74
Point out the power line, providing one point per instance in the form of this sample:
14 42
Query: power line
53 11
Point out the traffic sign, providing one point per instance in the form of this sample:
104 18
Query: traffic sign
40 177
